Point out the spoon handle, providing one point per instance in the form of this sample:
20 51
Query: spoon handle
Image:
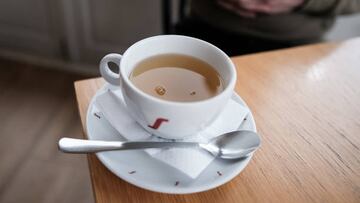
71 145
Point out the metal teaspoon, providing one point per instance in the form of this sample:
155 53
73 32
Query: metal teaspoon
231 145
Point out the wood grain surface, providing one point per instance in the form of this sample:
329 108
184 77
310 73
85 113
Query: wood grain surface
306 103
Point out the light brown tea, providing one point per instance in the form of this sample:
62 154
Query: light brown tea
176 77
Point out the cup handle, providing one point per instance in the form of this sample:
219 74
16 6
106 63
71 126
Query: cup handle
106 73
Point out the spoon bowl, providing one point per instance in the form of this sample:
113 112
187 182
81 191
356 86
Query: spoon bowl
233 145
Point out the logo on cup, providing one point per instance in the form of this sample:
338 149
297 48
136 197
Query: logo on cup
157 123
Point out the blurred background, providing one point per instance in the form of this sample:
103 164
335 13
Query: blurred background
46 45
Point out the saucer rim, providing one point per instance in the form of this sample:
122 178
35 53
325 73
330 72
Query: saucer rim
152 187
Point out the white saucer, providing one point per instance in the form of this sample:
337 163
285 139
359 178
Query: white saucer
138 168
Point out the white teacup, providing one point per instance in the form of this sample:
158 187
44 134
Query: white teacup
168 119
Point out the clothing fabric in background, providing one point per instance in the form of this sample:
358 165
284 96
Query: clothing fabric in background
237 35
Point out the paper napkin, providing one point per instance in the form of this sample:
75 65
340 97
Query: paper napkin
189 161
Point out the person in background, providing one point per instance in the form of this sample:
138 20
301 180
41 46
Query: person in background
248 26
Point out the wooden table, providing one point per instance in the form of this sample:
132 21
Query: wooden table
306 104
